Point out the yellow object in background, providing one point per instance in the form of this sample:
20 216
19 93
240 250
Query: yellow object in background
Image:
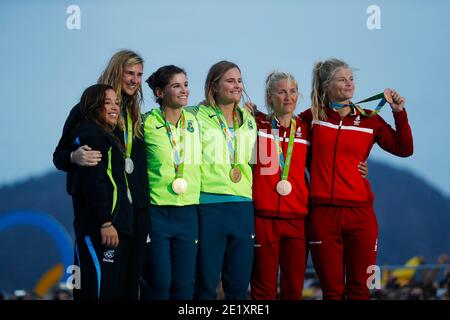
48 280
404 276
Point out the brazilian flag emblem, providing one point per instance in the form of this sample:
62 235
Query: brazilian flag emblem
190 126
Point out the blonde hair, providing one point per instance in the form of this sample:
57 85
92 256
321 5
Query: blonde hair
112 75
215 73
271 80
323 73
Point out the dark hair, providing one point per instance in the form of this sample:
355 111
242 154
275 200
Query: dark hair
161 78
92 102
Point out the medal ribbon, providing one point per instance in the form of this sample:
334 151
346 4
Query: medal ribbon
128 136
229 138
377 110
128 139
284 165
177 149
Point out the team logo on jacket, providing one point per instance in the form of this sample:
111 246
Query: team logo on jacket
190 126
108 256
250 124
357 121
298 134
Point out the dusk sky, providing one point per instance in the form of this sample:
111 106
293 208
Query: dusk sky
46 64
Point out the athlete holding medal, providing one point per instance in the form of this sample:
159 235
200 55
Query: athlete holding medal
342 227
173 149
226 225
281 192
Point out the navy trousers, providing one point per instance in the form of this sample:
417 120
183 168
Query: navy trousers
225 248
171 253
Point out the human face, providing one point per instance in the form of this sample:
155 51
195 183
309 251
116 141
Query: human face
341 87
131 78
110 112
283 98
176 93
229 88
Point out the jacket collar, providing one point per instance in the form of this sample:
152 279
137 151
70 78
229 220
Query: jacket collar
279 126
335 115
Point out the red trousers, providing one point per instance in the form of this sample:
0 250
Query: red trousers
279 243
343 243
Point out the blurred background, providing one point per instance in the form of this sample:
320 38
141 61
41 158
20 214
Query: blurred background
52 50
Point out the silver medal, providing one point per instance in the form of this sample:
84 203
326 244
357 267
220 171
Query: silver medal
129 165
284 187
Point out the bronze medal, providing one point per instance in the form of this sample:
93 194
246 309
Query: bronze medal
388 95
235 174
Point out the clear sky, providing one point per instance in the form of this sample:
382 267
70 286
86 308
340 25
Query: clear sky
45 66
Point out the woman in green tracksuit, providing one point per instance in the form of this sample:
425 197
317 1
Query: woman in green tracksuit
226 223
173 150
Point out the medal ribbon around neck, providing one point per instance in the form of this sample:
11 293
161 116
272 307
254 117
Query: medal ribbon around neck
284 164
128 136
385 96
230 139
177 149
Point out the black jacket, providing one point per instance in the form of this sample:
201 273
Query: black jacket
99 197
138 180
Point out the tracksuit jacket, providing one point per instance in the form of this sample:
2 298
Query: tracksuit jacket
338 145
266 172
99 195
342 228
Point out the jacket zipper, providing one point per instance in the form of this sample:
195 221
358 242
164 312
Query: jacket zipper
334 162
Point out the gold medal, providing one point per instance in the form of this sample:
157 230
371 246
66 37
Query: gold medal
235 174
284 187
179 185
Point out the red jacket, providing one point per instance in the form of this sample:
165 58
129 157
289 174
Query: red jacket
266 172
339 145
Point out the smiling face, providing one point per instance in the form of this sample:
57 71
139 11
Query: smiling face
284 96
341 87
131 78
176 93
229 87
109 114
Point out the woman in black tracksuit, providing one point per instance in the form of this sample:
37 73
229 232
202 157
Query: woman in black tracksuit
102 204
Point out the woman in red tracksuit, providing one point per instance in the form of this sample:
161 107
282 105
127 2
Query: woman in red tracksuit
342 228
279 214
